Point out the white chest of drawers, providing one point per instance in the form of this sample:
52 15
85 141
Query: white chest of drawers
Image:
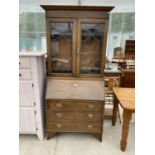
31 94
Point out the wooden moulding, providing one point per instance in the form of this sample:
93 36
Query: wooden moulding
79 8
77 14
77 11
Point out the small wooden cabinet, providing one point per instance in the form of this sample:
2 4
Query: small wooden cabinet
31 93
128 78
76 40
74 106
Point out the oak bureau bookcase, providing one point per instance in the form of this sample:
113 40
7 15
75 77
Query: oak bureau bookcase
76 47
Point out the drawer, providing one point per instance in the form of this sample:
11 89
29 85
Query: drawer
90 106
89 117
25 74
75 127
90 126
73 116
59 116
24 63
74 106
61 126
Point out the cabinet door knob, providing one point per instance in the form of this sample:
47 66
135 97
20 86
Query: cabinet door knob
90 126
58 125
90 106
90 116
59 105
19 63
59 115
20 74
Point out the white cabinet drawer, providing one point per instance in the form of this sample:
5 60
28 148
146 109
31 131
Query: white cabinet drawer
25 74
24 63
26 95
27 123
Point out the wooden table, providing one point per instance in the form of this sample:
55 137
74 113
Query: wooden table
126 98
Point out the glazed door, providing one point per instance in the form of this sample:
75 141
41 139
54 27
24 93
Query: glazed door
61 44
91 47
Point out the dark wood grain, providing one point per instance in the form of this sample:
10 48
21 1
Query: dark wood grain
128 78
74 101
75 89
74 127
76 15
73 105
130 47
79 8
70 114
66 116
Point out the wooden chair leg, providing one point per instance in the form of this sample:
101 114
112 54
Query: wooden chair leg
119 116
115 109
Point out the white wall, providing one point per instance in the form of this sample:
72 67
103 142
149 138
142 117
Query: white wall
120 5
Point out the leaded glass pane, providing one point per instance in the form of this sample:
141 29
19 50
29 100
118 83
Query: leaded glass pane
91 47
61 47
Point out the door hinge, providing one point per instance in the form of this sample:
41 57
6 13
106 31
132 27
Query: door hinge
34 103
36 129
32 85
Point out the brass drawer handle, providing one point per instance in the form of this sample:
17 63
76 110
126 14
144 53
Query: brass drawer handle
58 125
90 116
59 115
91 106
90 126
59 105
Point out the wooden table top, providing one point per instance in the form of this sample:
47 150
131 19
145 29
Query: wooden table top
75 89
126 97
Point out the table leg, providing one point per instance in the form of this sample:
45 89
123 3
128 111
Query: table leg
115 109
125 128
